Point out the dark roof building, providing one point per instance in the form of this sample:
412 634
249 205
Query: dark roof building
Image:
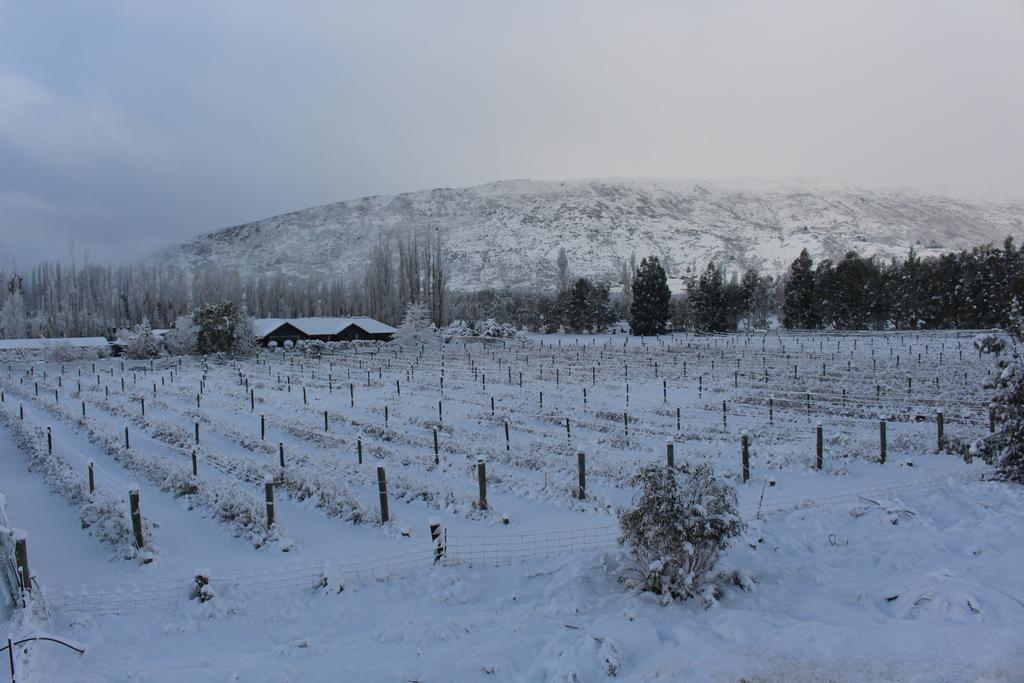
280 330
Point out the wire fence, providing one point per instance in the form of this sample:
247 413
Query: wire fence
420 556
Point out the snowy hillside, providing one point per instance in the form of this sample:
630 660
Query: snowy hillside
508 233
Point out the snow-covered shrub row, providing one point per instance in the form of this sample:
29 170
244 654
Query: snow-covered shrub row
241 510
489 328
304 479
55 352
104 516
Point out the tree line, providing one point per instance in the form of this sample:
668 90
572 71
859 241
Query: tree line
57 299
969 289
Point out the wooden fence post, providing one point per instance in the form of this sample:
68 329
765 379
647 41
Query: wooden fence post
359 448
21 559
195 463
263 427
508 443
92 477
326 429
382 489
352 394
481 475
127 443
670 455
437 536
49 441
940 428
818 460
581 466
136 512
745 454
881 441
268 489
437 448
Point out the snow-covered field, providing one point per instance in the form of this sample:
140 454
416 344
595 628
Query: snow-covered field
907 570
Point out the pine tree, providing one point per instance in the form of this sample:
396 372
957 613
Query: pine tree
798 306
650 310
707 302
579 314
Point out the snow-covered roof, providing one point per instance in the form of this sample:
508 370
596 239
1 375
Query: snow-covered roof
75 342
261 327
321 326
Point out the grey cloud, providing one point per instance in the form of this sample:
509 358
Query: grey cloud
170 119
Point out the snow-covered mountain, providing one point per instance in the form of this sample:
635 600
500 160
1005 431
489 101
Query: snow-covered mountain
508 233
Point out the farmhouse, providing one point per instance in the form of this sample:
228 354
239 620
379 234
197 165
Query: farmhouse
280 330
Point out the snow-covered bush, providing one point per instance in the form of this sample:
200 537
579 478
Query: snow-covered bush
223 327
63 352
416 326
681 522
142 343
1004 448
180 340
490 328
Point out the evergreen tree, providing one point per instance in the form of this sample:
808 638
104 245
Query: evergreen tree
798 306
708 305
650 312
756 298
221 327
579 309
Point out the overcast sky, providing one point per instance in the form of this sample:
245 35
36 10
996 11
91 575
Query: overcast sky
125 126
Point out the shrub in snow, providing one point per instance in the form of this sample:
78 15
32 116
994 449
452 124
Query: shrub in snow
203 590
416 327
142 343
681 522
1004 448
489 328
61 352
180 340
223 327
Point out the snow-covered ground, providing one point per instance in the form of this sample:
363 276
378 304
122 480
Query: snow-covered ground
905 570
